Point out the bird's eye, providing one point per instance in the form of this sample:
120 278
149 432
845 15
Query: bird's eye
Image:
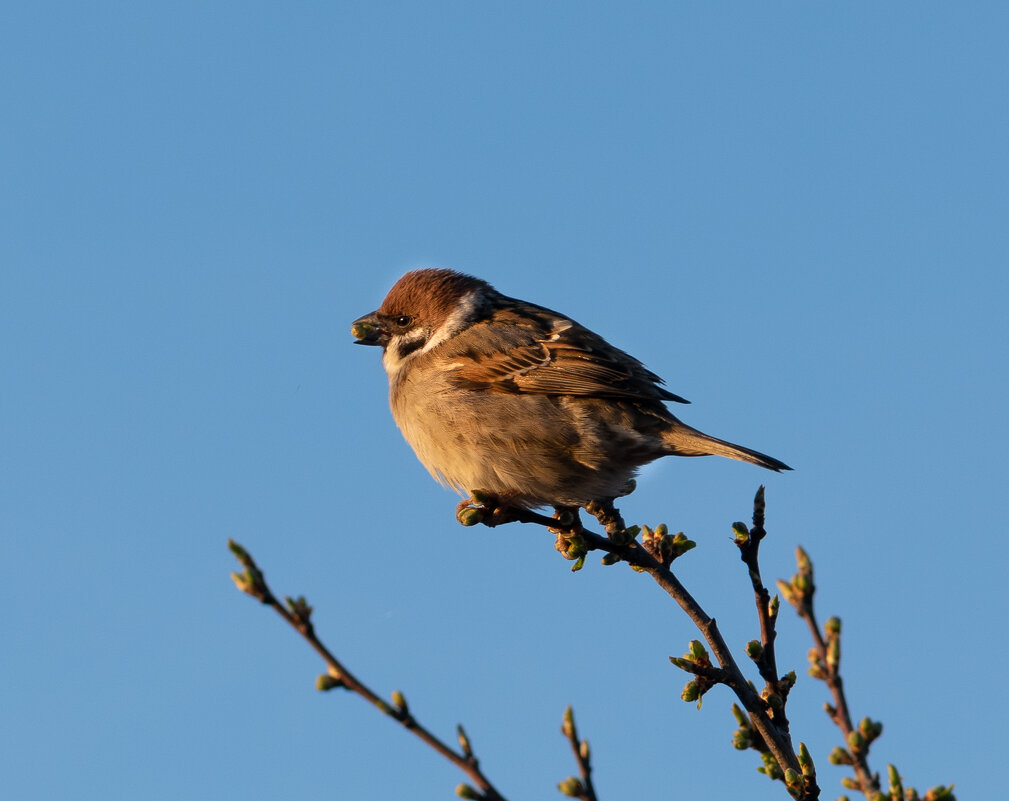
403 320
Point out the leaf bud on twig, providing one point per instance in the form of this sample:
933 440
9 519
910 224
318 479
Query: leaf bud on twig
469 516
571 787
896 786
840 756
870 729
803 561
787 592
464 743
741 534
805 760
568 722
325 682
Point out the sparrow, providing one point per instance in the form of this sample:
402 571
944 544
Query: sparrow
505 397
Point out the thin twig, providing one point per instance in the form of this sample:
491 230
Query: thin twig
297 613
748 541
584 789
827 666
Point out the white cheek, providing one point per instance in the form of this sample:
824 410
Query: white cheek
454 323
392 361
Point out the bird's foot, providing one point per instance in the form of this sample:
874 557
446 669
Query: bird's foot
608 516
487 508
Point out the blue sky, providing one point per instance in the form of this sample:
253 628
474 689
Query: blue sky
794 212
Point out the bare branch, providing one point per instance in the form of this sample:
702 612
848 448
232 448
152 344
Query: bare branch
573 787
298 614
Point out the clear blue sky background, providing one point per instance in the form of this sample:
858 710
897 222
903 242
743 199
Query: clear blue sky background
794 212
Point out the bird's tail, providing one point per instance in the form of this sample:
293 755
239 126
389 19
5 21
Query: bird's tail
682 440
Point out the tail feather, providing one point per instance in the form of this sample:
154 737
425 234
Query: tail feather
682 440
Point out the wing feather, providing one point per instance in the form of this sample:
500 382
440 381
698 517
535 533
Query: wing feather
541 352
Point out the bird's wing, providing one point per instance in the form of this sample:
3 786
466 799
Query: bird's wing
547 354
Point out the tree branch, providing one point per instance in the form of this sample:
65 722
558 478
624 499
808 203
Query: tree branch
298 614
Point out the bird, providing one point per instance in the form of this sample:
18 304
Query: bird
504 397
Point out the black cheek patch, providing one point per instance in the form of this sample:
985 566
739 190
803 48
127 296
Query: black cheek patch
406 348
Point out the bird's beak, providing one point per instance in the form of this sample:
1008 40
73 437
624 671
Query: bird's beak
367 331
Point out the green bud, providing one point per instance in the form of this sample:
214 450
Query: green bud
739 715
468 792
609 559
856 742
772 607
399 701
667 550
792 777
243 582
741 534
870 729
802 583
697 651
682 662
804 757
469 516
787 592
482 497
583 750
741 739
802 560
568 722
849 783
754 649
464 742
839 756
299 608
774 701
325 682
571 787
579 564
896 787
833 653
691 691
788 680
832 627
771 767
